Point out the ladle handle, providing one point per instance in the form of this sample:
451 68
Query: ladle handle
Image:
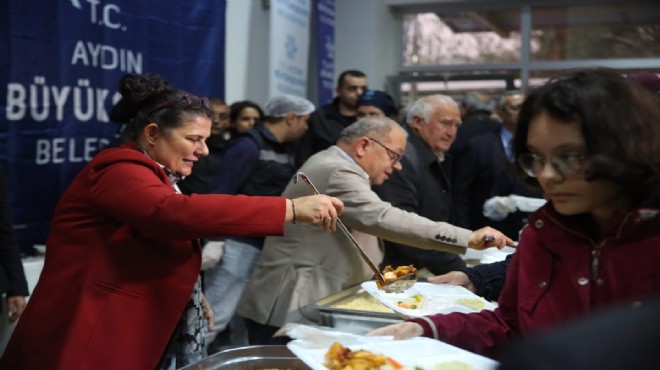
379 275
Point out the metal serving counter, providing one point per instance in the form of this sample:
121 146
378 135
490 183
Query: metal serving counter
251 358
353 320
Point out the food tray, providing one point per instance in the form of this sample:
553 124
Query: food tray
351 320
251 358
429 299
413 352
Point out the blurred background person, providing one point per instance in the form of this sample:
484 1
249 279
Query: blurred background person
477 112
256 162
13 285
243 116
486 168
326 123
423 185
376 103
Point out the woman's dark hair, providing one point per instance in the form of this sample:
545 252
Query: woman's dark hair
149 98
619 121
236 108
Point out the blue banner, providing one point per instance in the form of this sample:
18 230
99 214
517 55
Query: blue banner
60 62
325 41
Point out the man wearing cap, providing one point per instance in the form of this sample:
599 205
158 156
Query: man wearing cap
423 185
256 162
376 103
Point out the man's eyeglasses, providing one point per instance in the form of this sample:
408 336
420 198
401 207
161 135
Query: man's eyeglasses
193 102
394 156
566 164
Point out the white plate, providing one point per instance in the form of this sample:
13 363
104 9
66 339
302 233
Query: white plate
422 352
436 298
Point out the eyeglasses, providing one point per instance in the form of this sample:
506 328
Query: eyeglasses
566 164
394 156
193 102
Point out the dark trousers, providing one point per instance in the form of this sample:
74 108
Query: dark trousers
260 334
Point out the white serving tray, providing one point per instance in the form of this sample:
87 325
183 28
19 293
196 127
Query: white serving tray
436 299
420 352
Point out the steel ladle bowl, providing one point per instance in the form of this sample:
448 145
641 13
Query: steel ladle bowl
400 284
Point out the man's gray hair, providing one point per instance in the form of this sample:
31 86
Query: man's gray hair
424 106
369 126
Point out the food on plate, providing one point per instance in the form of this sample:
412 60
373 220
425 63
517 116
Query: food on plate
365 303
476 304
339 357
412 303
453 365
391 274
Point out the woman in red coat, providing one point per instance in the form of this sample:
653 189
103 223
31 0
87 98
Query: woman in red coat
590 140
122 265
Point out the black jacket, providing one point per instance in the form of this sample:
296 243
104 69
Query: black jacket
325 124
421 187
481 172
12 276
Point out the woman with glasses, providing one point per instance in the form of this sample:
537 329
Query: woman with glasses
120 286
589 140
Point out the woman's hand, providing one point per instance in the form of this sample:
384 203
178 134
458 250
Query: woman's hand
401 330
488 237
207 312
15 307
454 278
316 209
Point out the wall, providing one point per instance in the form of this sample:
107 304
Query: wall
367 38
246 66
358 24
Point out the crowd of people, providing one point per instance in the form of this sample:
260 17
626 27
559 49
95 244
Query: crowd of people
197 223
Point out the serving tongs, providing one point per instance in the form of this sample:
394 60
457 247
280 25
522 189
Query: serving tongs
389 286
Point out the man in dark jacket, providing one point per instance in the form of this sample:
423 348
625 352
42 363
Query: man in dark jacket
423 185
326 123
486 169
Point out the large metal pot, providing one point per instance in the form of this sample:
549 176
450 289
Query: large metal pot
252 358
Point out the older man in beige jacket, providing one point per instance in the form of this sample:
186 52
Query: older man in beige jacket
307 264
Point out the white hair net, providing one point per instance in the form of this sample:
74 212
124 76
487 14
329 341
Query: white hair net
282 105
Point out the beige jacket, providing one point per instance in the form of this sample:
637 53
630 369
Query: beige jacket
308 263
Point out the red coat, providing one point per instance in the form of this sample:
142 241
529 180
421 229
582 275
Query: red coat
549 280
120 265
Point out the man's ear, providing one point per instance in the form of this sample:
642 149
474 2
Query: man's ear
151 132
290 118
361 146
415 122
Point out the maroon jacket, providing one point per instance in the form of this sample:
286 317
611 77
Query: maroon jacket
120 265
551 280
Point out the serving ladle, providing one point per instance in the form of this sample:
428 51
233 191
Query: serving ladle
387 285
